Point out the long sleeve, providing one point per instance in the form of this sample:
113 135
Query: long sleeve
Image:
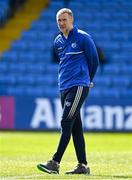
91 55
55 53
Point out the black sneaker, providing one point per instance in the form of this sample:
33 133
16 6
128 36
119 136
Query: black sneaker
80 169
50 167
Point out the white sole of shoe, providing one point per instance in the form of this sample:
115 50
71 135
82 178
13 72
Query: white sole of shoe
42 168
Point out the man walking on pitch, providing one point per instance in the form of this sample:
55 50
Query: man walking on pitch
78 64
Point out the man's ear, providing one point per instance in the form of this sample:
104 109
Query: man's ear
72 19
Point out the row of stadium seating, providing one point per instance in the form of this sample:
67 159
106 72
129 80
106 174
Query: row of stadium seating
35 79
41 91
26 67
31 55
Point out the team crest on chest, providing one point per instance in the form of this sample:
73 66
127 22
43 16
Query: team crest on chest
74 45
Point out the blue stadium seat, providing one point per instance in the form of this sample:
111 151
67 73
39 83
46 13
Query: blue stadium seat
103 81
25 45
16 91
122 36
34 91
76 5
36 68
19 46
17 67
122 57
44 57
3 89
37 46
95 93
110 69
126 93
48 14
28 35
111 93
48 38
55 5
3 67
52 68
101 36
36 25
7 79
122 81
126 69
45 80
28 56
127 46
25 80
41 91
109 46
10 56
52 92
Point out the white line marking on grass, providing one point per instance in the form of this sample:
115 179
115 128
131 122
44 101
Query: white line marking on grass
35 177
21 177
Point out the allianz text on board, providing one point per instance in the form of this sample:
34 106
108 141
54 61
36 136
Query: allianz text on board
97 117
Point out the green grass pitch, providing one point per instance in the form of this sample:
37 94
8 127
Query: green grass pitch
109 155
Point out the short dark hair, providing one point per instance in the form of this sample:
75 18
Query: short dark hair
65 10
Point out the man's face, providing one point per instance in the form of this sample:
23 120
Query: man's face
64 22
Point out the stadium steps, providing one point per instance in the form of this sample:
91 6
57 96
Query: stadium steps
22 20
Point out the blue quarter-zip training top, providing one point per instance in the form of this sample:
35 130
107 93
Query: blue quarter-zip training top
78 59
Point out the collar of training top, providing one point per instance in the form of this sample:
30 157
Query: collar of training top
74 30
